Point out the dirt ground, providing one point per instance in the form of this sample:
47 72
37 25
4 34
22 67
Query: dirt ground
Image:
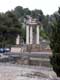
23 72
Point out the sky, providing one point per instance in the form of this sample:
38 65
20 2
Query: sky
47 6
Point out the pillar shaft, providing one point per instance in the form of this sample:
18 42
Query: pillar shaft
37 35
31 35
18 40
27 34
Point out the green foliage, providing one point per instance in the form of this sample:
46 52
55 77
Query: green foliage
9 28
22 12
55 45
43 34
19 11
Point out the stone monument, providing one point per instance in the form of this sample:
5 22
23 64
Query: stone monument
32 34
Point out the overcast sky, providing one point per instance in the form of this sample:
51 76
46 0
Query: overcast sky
47 6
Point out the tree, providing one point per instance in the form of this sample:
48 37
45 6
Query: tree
19 11
14 26
10 27
27 11
55 44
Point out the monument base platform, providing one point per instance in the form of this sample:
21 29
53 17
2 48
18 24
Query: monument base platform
33 48
36 48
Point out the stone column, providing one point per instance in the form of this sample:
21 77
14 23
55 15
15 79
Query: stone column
27 34
37 35
18 40
31 35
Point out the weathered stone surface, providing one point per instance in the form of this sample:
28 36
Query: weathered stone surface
22 72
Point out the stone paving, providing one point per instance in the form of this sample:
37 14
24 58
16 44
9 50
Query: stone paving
22 72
